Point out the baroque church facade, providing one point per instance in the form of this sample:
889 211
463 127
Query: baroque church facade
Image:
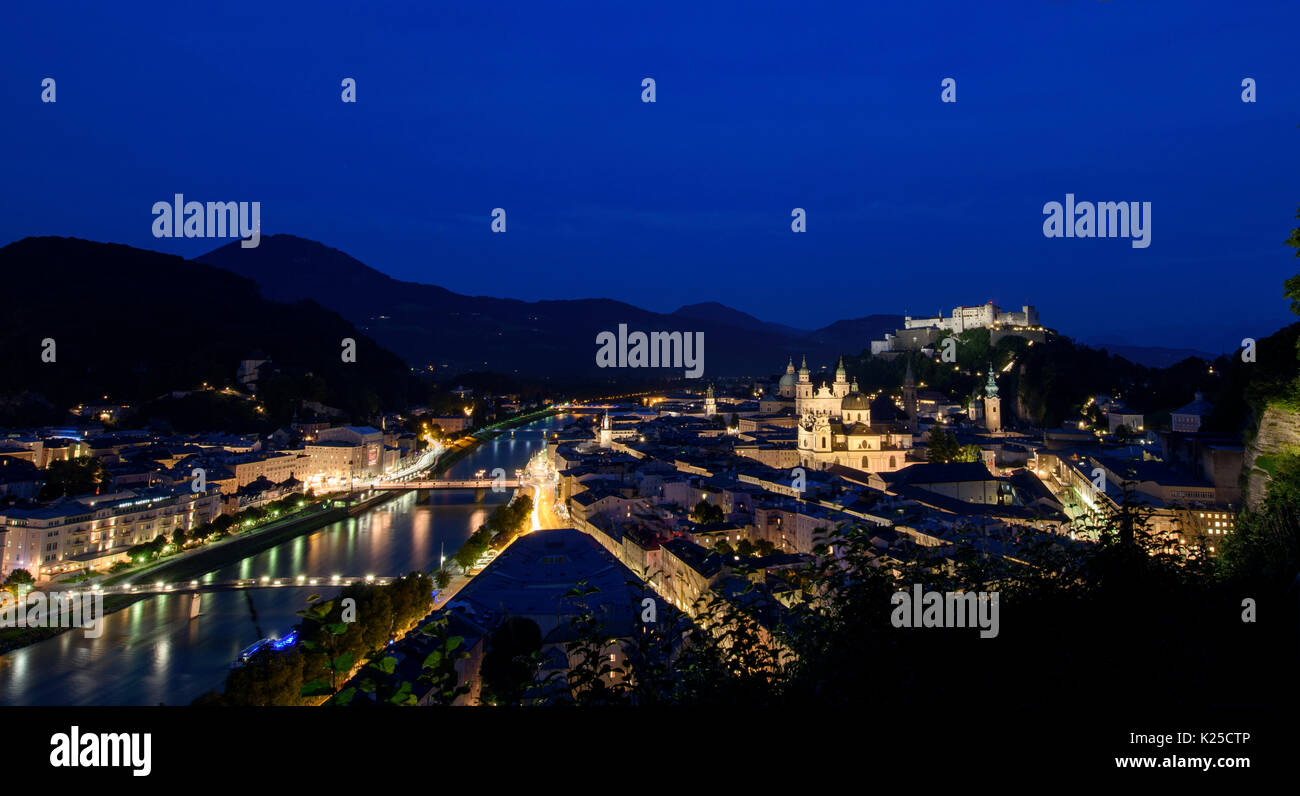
834 424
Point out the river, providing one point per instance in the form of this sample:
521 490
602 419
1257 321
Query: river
152 653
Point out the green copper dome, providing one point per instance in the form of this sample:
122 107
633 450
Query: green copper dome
855 401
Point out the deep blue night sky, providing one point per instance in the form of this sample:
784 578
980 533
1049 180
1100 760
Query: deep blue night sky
913 205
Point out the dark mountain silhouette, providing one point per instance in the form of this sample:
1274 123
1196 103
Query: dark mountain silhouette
135 324
1153 356
429 325
842 334
842 337
712 310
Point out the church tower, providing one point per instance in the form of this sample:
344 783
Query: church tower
803 389
909 397
841 386
606 434
992 404
710 403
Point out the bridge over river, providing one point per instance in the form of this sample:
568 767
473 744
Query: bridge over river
451 483
264 582
157 651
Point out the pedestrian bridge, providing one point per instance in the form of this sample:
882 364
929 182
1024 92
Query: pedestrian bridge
264 582
446 483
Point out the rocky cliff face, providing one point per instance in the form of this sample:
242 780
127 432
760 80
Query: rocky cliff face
1279 432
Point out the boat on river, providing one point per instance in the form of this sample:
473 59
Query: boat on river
270 642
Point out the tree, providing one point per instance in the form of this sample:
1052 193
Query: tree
16 580
942 446
1094 417
269 678
1291 287
439 667
1264 548
649 672
591 677
511 660
706 513
150 549
329 642
468 554
71 477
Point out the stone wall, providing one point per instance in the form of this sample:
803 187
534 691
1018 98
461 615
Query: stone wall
1279 432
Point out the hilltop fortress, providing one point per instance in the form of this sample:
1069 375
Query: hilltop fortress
920 332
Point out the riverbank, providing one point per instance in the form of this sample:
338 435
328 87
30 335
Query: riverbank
234 548
238 547
487 434
204 560
214 556
195 563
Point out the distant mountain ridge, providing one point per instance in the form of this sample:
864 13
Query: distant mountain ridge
1153 356
430 325
427 324
423 324
131 324
128 333
713 310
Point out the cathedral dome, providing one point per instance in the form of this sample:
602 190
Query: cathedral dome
787 380
855 401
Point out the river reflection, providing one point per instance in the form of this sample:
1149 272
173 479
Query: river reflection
152 653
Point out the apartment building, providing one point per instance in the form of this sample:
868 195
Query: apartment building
66 535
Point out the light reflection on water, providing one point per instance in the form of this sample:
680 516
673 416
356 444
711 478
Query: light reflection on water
151 652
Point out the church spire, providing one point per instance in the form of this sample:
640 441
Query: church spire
909 397
991 387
